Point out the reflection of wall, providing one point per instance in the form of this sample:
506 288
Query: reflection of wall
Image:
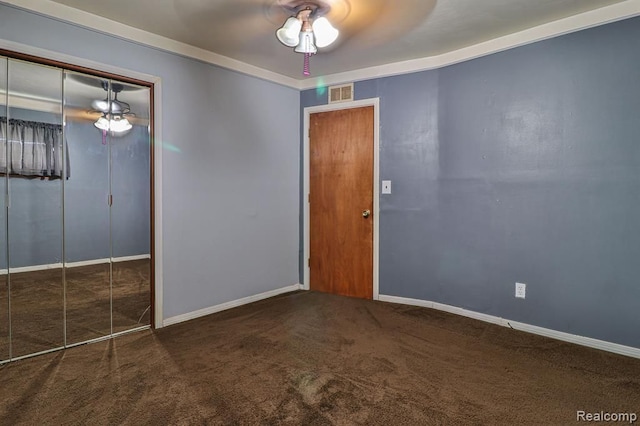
35 217
519 166
86 194
131 188
35 223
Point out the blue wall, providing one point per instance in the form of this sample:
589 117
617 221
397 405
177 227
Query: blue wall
519 166
229 166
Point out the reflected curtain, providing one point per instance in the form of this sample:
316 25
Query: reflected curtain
35 149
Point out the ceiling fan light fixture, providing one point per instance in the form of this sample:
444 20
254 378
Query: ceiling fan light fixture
289 33
117 124
324 32
308 30
307 43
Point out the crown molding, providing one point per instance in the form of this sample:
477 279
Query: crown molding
590 19
593 18
116 29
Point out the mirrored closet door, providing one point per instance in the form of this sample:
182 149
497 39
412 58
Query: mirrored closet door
75 215
86 221
34 207
4 285
130 211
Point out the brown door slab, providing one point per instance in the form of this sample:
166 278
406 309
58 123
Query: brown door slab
341 147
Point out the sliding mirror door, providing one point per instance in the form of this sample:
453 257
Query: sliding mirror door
4 285
75 208
87 217
130 210
107 207
35 157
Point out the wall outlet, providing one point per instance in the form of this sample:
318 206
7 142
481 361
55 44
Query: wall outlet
521 290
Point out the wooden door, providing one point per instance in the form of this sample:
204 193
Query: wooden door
340 190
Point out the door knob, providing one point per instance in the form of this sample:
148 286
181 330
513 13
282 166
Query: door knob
366 213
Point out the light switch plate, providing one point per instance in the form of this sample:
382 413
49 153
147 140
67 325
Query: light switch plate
386 187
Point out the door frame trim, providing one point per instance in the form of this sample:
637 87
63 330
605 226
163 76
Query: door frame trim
375 102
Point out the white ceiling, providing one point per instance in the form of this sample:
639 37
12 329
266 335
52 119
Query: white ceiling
373 32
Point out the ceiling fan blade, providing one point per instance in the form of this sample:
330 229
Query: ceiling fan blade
201 10
374 22
198 15
238 23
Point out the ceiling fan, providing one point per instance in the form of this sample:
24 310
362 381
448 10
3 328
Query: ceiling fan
309 26
249 28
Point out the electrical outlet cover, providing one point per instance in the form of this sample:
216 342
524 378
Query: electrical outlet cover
521 290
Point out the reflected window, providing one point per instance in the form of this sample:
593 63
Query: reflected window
34 149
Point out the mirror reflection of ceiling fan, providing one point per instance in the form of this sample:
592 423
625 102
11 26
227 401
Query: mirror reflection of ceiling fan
114 111
113 115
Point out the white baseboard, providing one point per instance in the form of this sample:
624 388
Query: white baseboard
228 305
84 263
32 268
130 258
554 334
75 264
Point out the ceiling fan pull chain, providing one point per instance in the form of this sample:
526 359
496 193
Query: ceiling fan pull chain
305 69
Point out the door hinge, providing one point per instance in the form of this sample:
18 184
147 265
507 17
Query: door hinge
308 198
309 262
110 200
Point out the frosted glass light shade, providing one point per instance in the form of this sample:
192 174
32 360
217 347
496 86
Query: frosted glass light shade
102 123
306 44
119 124
116 124
289 34
324 32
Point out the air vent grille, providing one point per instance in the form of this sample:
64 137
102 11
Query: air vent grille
342 93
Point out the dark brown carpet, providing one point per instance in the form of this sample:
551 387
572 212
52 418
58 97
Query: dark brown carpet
313 359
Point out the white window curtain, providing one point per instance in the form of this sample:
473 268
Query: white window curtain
35 149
